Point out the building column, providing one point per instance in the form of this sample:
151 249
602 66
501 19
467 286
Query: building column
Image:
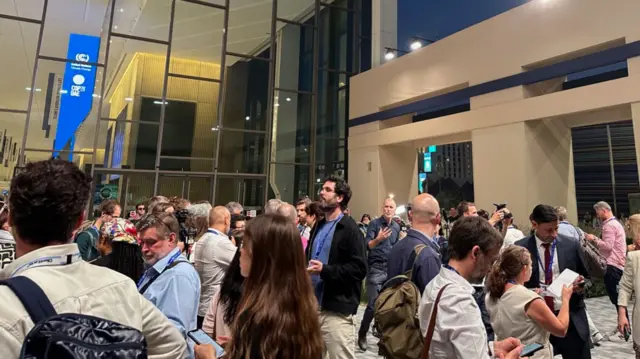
524 164
633 65
380 171
384 29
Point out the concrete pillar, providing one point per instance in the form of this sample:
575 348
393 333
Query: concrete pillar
524 164
384 29
635 116
379 171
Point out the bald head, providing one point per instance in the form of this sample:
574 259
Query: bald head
220 219
424 208
289 211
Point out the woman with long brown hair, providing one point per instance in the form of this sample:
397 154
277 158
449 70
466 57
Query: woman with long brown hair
518 312
278 315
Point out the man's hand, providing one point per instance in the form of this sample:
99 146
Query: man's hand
496 217
205 351
383 234
509 348
315 267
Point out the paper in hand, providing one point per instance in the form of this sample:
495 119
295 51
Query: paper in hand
567 277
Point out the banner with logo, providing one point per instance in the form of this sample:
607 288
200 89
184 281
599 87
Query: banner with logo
77 89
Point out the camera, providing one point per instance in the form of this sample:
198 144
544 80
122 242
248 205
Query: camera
507 215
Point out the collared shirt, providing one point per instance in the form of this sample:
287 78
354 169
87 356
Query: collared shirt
459 330
557 302
378 255
512 236
176 293
567 229
83 288
212 257
613 245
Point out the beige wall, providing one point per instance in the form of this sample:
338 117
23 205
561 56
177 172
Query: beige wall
521 136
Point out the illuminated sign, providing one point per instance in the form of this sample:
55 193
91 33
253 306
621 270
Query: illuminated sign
77 89
427 162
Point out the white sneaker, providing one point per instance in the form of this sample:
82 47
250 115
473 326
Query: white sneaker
615 336
597 338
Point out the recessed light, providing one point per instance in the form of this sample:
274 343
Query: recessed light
247 118
288 99
214 128
115 27
28 88
277 105
129 99
160 102
121 9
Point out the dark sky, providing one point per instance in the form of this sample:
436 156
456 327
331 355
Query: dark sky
436 19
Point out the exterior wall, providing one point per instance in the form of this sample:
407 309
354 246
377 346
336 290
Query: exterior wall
521 136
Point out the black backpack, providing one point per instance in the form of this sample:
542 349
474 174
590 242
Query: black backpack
71 335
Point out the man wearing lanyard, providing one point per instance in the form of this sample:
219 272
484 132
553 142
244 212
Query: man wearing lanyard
170 281
337 266
613 247
213 254
554 253
46 206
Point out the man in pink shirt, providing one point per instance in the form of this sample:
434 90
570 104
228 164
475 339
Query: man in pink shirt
613 246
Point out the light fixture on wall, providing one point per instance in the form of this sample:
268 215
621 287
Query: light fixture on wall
391 53
247 118
417 42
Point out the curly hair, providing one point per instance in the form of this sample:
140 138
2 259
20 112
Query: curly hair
342 188
48 200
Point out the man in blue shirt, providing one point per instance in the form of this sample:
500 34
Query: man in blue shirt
382 234
170 281
425 220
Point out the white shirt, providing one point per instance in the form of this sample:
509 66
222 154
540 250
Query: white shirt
212 255
512 236
87 289
459 331
557 302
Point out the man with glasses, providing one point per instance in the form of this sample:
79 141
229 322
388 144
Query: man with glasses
337 266
170 281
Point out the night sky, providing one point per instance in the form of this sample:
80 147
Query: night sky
436 19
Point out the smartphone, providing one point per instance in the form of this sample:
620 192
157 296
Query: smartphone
530 349
200 337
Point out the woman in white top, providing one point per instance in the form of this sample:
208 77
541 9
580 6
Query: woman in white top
629 283
518 312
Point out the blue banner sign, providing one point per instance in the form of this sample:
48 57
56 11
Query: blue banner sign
77 88
427 162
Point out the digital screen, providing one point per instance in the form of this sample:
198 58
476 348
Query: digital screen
432 149
422 177
427 162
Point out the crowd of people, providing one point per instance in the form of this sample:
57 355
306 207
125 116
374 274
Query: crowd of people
288 283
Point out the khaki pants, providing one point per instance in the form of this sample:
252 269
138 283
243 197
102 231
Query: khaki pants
339 334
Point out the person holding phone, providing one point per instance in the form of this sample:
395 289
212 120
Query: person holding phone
518 312
629 283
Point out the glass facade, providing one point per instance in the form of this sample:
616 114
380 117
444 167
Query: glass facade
218 100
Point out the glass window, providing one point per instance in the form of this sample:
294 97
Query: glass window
292 124
242 152
290 182
248 191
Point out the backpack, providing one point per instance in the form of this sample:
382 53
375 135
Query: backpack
396 315
594 262
71 335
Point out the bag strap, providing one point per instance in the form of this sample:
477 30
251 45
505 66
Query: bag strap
33 298
432 324
416 253
146 286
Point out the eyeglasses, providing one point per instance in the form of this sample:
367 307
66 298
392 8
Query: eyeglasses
140 208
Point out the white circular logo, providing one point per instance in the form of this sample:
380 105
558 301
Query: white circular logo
78 79
82 57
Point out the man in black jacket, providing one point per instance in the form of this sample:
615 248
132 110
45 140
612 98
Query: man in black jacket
337 266
551 254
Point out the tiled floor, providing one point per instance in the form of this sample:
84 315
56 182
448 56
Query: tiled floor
601 311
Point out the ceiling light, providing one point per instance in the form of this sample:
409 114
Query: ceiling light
96 95
277 105
64 91
28 88
318 180
391 195
214 128
115 27
160 102
128 99
401 209
247 118
121 9
416 44
288 99
390 55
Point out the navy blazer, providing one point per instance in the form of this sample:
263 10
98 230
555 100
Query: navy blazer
568 251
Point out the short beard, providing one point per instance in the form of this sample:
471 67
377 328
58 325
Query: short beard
328 207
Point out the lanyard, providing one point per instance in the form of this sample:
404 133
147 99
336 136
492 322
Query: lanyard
213 231
321 242
548 269
512 282
451 269
171 260
49 261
